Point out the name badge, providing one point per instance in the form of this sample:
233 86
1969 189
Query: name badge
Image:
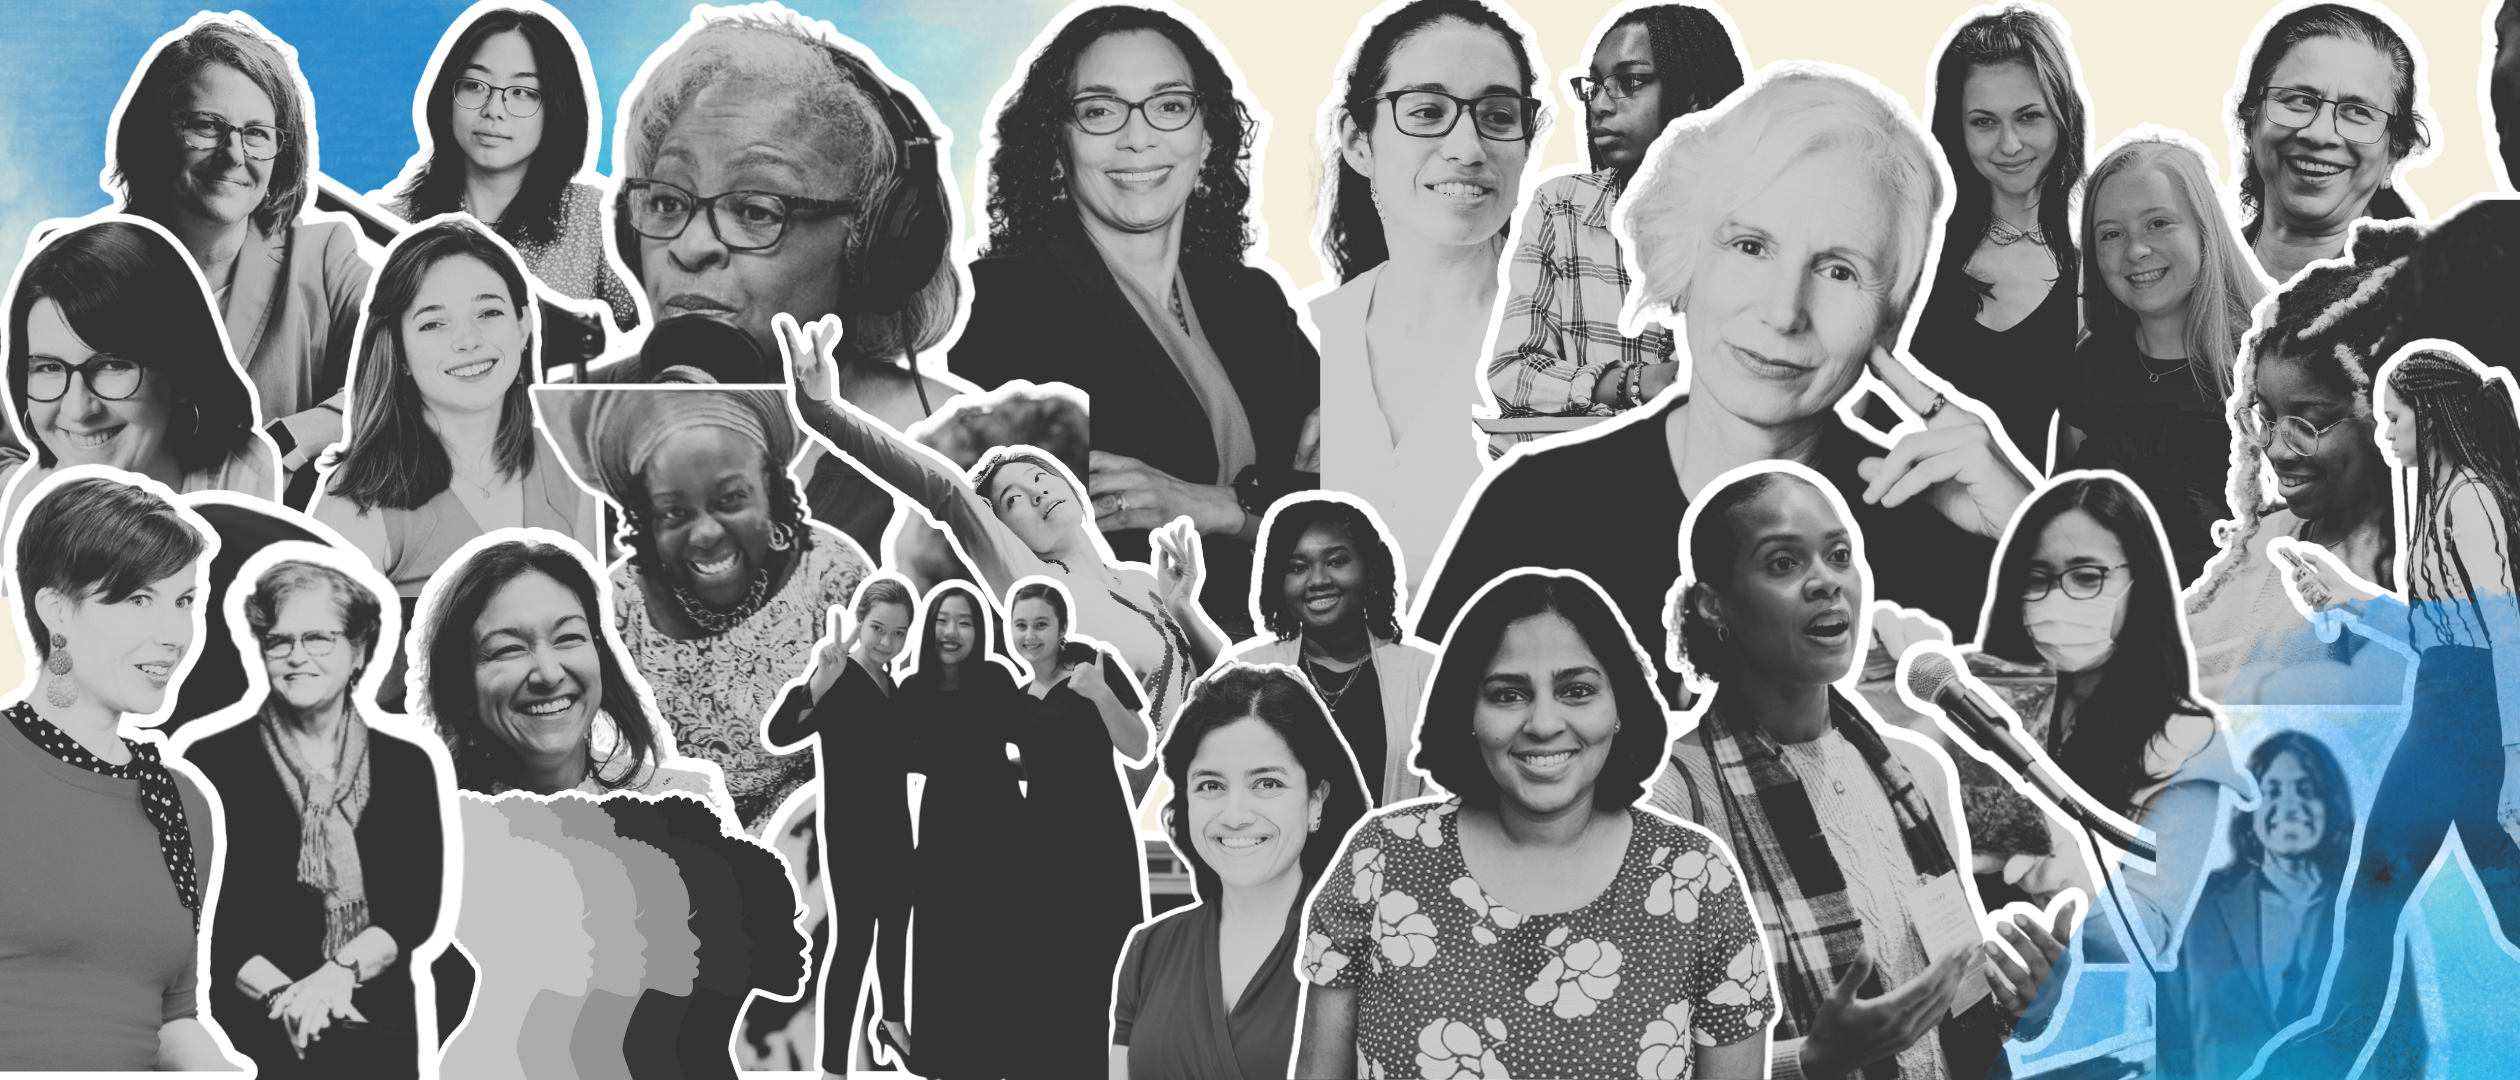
1946 924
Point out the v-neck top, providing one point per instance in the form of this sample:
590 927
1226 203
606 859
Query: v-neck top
1168 1001
1415 482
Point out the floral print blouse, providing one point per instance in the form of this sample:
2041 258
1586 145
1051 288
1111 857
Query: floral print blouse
1450 983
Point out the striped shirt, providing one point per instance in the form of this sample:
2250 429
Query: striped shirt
1560 328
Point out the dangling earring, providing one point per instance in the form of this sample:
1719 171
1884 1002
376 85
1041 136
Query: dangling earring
783 538
61 692
196 417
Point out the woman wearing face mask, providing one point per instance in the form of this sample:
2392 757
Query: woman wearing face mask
115 359
863 819
1327 589
1264 792
1018 513
1540 921
2326 114
508 127
1848 832
1118 261
112 849
1083 832
972 836
2150 380
2012 121
2083 585
1430 137
2459 758
336 854
2301 409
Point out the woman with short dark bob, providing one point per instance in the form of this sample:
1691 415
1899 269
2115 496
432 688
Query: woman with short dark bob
336 851
519 675
115 359
1539 921
1119 229
1327 592
2326 116
110 848
509 125
1263 793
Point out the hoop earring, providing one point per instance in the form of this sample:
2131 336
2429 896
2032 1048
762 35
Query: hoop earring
783 537
1723 632
196 417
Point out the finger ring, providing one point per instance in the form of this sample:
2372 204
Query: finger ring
1936 407
1120 504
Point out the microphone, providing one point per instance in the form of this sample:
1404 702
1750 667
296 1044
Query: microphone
1933 677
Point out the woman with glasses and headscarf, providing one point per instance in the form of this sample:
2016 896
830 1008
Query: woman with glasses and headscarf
2328 113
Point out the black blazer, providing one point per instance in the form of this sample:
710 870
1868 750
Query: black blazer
263 911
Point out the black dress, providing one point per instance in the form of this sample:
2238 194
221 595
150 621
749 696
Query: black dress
1085 840
1054 313
865 830
2020 372
968 885
264 911
2165 434
1610 506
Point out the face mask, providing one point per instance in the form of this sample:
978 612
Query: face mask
2074 635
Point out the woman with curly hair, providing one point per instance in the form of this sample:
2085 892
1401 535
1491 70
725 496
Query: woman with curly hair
2328 114
1118 187
722 591
1327 590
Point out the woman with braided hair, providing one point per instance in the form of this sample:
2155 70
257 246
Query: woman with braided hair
2454 425
2301 408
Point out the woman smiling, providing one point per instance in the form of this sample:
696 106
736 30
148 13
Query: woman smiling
2329 109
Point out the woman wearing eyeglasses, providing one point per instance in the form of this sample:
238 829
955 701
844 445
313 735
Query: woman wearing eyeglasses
1428 139
2327 116
336 855
115 359
215 141
508 128
1115 263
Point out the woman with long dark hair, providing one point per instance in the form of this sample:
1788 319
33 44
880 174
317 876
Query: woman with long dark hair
2328 111
2012 120
1119 230
510 122
2455 432
1263 793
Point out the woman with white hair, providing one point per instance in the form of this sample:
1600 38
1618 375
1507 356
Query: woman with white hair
1790 228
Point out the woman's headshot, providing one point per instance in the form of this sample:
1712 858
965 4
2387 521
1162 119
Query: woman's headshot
2147 390
2011 119
1119 163
215 140
1541 893
720 595
1263 793
99 928
518 672
442 445
1429 142
2329 111
336 855
507 122
1326 595
115 358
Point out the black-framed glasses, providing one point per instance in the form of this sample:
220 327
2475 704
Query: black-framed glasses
1432 114
317 643
261 141
519 100
1102 114
1620 87
742 220
2299 437
2355 121
2078 583
112 378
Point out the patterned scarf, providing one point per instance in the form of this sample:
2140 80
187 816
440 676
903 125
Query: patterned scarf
1794 879
158 795
328 809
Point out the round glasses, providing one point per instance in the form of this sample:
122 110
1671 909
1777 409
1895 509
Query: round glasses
2299 437
315 642
518 100
741 220
261 142
2077 583
1432 114
1102 114
2355 121
1620 87
111 378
